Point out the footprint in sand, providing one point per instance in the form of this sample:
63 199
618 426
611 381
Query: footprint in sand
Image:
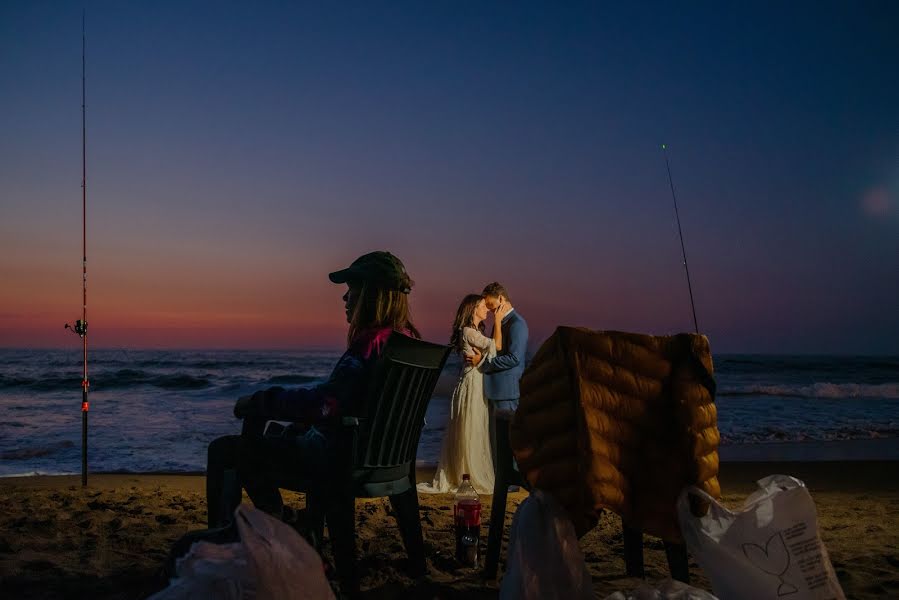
166 519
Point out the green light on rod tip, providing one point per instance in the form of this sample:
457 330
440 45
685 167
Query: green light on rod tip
664 146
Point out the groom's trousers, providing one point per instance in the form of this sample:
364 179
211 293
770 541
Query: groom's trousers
500 409
505 471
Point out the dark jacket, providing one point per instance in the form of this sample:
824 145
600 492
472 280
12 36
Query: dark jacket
501 374
341 394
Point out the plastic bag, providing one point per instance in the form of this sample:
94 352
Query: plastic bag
667 590
271 561
211 571
545 560
770 549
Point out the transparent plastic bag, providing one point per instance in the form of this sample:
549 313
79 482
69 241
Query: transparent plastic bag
769 549
210 571
668 589
545 560
271 561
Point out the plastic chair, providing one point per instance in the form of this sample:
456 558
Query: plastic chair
376 456
506 475
676 554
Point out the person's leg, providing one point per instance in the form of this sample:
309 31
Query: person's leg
257 456
500 414
222 456
505 410
265 461
491 415
223 486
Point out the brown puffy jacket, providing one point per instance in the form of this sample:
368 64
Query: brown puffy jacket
622 421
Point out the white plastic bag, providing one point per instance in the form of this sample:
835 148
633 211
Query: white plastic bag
270 562
544 558
669 589
210 571
769 549
286 567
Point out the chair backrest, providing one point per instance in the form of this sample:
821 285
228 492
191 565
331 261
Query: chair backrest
404 379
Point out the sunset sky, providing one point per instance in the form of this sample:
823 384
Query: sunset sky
238 152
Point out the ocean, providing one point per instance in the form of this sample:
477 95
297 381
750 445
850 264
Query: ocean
156 411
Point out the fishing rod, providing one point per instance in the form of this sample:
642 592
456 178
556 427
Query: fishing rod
681 235
80 327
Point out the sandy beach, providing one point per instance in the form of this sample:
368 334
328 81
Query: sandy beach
59 540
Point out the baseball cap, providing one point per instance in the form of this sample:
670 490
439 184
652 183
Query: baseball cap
380 268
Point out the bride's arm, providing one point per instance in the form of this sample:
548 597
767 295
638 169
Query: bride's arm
498 317
477 339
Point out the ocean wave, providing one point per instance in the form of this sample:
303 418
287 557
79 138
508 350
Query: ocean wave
290 379
38 473
11 381
36 452
802 363
767 435
876 368
131 377
47 383
210 364
886 391
122 378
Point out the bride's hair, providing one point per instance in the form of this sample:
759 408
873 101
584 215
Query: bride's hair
465 318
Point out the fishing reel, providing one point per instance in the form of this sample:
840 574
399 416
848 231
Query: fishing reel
80 328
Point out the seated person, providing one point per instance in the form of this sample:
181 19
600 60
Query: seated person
377 304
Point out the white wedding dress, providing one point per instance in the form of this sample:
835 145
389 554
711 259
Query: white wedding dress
466 444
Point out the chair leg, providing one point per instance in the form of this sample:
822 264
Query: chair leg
633 551
678 564
341 517
497 525
409 521
315 517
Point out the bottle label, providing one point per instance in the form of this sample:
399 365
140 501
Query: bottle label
467 517
467 513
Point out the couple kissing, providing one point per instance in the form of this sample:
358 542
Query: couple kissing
487 389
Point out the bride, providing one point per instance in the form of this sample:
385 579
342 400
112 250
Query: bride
466 444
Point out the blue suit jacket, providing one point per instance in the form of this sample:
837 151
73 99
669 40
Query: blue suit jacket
502 373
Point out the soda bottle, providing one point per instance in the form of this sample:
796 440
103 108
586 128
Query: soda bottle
467 517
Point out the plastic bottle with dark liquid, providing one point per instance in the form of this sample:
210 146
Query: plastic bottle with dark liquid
467 516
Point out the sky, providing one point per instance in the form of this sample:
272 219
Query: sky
239 152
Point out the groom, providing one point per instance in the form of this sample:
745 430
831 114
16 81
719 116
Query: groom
501 374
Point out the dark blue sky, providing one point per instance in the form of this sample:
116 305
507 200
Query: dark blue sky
239 152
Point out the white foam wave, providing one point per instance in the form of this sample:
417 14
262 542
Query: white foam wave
889 391
36 474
